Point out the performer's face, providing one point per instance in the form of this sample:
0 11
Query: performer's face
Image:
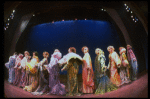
128 47
111 50
25 54
44 55
69 51
33 54
56 50
85 50
98 51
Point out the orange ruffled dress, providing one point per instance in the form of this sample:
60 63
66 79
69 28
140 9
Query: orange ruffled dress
114 61
87 74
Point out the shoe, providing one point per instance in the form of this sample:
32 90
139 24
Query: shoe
77 94
40 93
69 94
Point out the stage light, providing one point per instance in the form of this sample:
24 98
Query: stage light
13 11
23 25
133 19
33 14
75 18
12 17
85 18
6 26
131 12
7 23
102 9
131 16
62 19
127 10
8 19
125 4
52 21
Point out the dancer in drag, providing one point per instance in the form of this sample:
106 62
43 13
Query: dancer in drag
18 70
133 63
10 65
71 63
124 68
114 63
103 83
33 73
43 76
87 72
24 80
55 87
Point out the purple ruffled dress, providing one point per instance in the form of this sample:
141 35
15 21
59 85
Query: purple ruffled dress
55 87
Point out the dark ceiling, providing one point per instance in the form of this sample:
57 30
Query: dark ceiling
44 6
66 8
37 7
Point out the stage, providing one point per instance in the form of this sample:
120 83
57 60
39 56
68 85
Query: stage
136 89
46 26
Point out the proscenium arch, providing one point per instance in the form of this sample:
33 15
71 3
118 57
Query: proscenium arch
20 28
114 15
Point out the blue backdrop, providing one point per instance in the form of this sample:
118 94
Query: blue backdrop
64 34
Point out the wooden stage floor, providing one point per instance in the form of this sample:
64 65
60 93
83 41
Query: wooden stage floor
136 89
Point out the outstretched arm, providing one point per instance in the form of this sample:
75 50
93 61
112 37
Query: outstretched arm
63 60
40 64
66 66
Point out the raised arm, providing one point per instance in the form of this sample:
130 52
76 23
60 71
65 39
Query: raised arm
63 60
66 66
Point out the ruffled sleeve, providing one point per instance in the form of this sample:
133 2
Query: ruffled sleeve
24 62
87 58
117 59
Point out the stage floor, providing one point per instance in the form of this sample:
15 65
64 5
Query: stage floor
136 89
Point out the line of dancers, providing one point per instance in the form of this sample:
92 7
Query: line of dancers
41 77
